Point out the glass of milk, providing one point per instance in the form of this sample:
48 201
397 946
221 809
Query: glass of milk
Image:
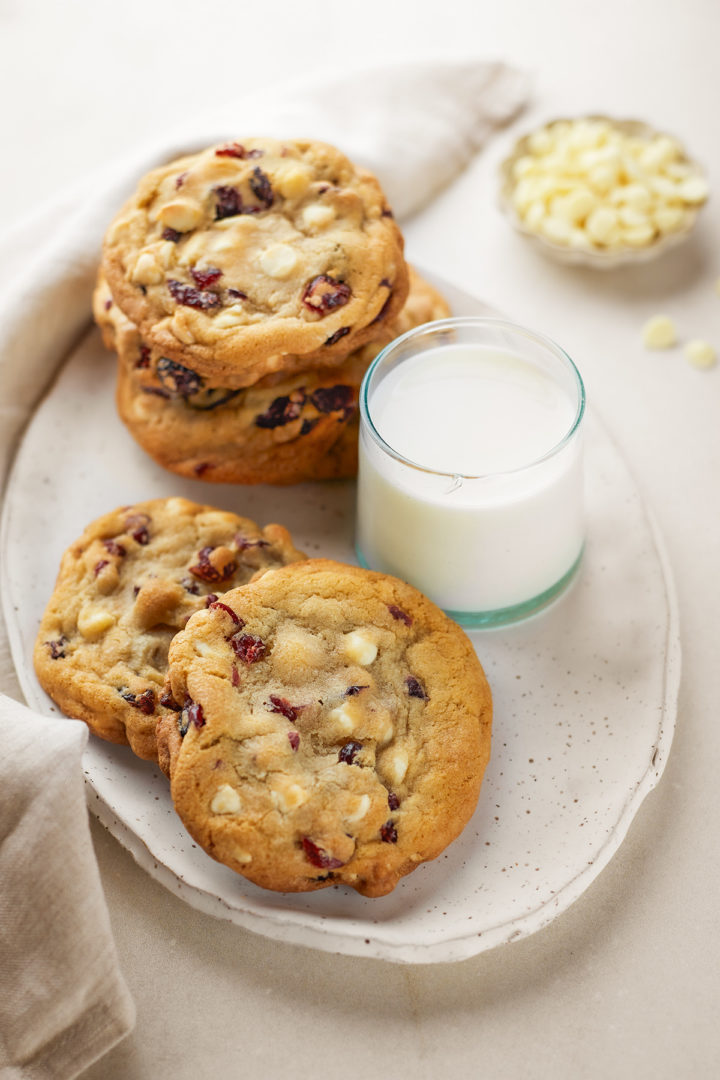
470 481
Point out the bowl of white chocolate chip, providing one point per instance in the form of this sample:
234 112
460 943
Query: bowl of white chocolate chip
600 192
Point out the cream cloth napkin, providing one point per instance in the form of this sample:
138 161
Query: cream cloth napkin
63 1001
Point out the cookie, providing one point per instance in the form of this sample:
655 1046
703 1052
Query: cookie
240 258
279 431
334 729
124 589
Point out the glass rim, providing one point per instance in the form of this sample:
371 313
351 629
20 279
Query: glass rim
479 321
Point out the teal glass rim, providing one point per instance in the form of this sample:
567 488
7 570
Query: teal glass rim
471 321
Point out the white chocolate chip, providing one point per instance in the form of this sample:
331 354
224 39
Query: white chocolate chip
700 354
167 253
180 328
287 795
343 717
180 215
694 190
556 229
317 217
395 764
278 261
202 648
638 235
146 270
361 808
659 332
670 218
230 317
601 224
292 181
92 622
225 800
359 647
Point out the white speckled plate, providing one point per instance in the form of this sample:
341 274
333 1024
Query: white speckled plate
585 694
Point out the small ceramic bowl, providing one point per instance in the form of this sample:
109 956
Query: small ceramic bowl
589 253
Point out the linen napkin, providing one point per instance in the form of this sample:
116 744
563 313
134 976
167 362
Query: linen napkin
63 1001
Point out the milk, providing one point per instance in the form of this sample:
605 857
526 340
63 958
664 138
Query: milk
470 477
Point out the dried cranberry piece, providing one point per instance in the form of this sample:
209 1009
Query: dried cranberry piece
189 296
169 701
294 739
388 833
327 399
234 676
325 293
57 648
393 801
192 713
353 690
236 294
387 212
261 187
307 426
398 613
228 202
247 648
171 234
114 548
205 570
204 278
179 380
191 586
349 751
415 688
282 705
143 360
144 702
201 468
283 410
234 149
100 565
318 856
228 610
180 180
107 305
337 335
242 543
211 598
137 526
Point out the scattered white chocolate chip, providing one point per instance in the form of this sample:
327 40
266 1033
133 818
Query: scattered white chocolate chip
230 317
92 622
179 324
146 270
278 261
317 217
659 332
700 354
225 800
180 215
359 647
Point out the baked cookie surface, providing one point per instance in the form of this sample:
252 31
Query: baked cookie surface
248 253
335 728
284 429
125 587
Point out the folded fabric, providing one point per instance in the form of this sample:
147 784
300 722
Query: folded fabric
63 1001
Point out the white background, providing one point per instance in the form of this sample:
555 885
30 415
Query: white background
625 984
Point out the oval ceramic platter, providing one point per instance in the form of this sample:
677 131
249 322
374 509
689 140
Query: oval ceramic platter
585 693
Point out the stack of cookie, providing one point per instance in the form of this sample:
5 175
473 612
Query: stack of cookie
245 290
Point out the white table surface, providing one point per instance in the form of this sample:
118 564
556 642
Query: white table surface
626 983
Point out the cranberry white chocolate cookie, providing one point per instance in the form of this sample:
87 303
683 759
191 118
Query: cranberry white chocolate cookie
124 589
333 727
241 256
283 429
